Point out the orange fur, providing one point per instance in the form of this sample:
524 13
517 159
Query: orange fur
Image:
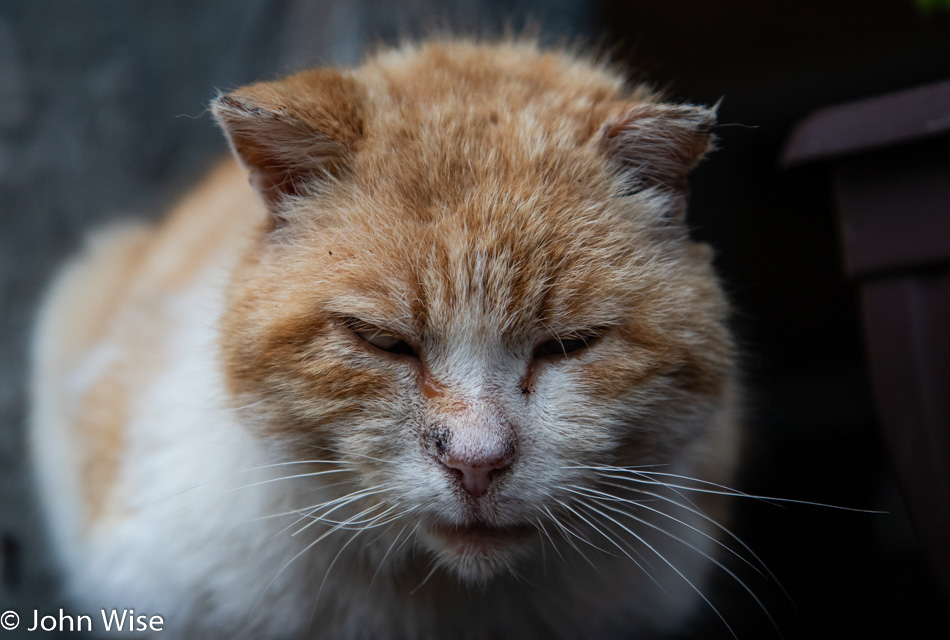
470 158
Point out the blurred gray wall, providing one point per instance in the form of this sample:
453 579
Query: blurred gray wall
102 116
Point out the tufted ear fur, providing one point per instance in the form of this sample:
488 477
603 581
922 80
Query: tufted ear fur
293 132
656 145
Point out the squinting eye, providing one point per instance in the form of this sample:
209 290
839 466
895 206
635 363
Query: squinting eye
380 338
555 348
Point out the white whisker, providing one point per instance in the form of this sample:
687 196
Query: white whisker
673 567
554 546
352 453
725 491
294 558
340 503
601 496
293 477
435 567
566 530
242 471
694 548
609 538
698 512
388 551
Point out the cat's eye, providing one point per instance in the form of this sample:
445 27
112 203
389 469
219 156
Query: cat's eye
560 347
379 338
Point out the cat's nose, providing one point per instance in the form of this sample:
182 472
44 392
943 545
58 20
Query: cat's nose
475 446
476 477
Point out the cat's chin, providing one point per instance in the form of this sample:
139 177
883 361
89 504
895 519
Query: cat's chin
478 552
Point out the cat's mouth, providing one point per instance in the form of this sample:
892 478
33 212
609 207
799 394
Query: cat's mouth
480 538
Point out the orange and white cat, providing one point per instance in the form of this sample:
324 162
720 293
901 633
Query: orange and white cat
429 376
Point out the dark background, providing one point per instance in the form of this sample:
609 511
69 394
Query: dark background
102 116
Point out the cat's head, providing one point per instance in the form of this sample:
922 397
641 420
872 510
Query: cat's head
475 282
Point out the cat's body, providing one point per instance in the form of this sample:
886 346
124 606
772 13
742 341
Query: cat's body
513 221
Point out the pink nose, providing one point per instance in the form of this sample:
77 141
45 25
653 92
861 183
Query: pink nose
476 478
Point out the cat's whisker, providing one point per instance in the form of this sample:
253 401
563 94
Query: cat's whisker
361 525
699 513
301 513
374 522
379 536
567 533
411 536
659 483
644 468
696 589
339 503
284 567
397 516
645 477
388 551
723 490
544 551
606 497
332 564
309 511
352 453
544 530
692 508
240 472
631 547
335 525
351 524
354 523
642 564
577 466
248 406
605 535
566 529
435 567
288 463
339 553
293 477
381 519
202 500
382 534
707 556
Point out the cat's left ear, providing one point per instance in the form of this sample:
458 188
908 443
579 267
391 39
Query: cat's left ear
293 133
657 145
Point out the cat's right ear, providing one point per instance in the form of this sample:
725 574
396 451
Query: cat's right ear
656 145
293 133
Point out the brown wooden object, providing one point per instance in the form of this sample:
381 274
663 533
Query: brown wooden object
890 157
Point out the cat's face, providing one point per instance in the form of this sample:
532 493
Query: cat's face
474 311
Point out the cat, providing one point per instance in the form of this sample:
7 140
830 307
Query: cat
423 363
